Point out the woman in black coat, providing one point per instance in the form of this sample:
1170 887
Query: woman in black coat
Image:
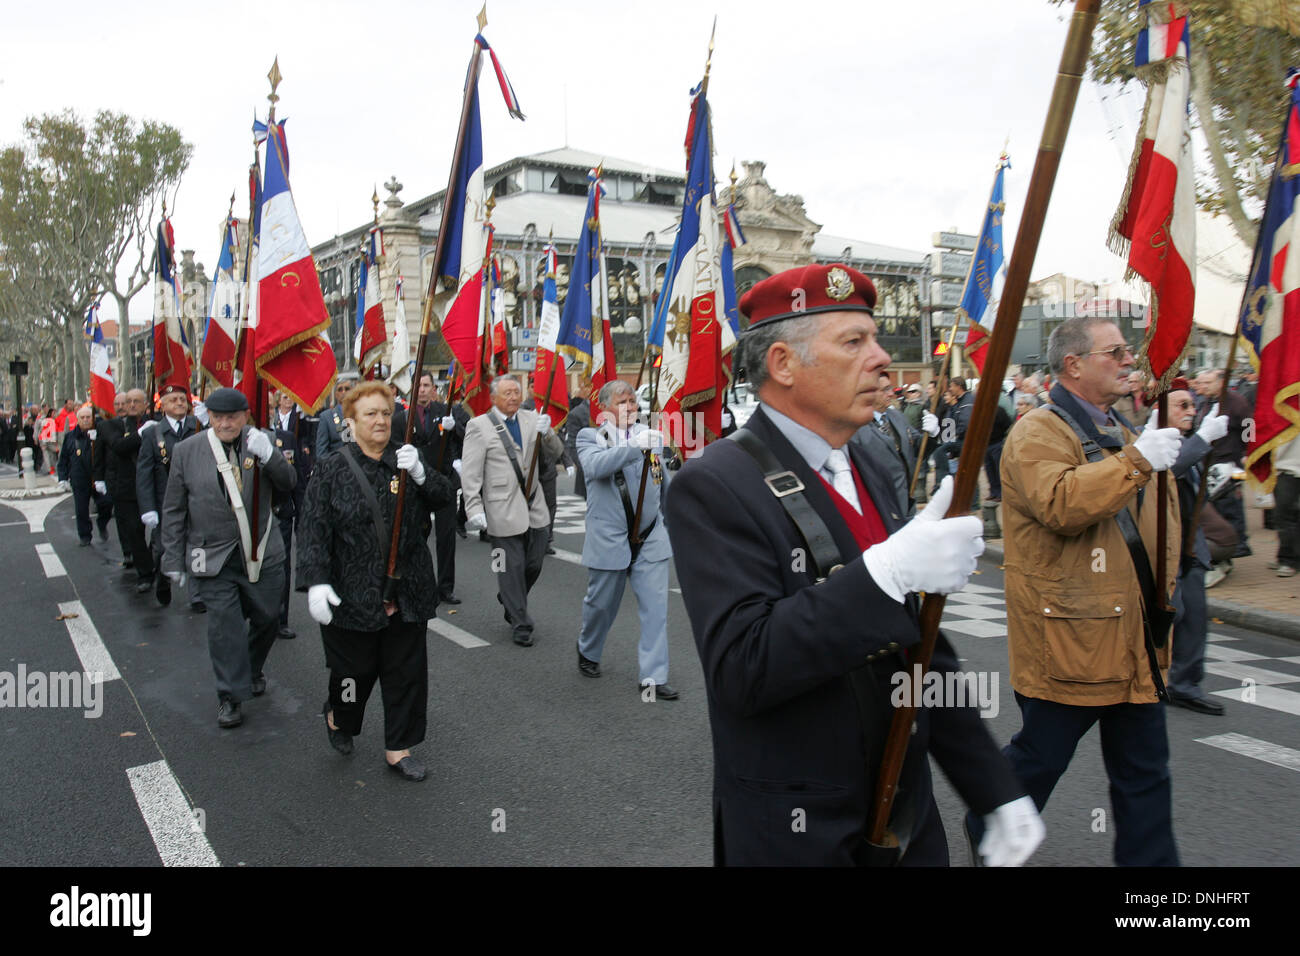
342 565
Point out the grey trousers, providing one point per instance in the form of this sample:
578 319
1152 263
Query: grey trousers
600 608
517 567
1191 629
242 621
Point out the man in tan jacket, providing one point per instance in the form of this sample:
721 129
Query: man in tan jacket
494 472
1078 647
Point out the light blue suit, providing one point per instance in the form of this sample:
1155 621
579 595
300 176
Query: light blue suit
606 552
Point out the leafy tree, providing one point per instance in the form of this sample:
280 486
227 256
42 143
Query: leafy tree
1240 53
76 206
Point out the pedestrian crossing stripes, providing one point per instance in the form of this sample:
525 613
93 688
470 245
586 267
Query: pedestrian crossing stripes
177 830
570 514
455 634
1275 754
94 656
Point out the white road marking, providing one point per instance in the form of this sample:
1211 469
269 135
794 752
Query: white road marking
975 612
1274 698
1259 675
175 828
1290 660
573 557
85 639
455 634
1275 754
976 628
50 561
1216 653
979 589
34 509
961 597
11 524
1222 637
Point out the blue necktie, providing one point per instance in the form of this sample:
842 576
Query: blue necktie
512 426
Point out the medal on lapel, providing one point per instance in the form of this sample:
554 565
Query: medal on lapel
78 452
392 485
656 469
248 462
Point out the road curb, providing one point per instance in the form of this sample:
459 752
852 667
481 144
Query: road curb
1229 612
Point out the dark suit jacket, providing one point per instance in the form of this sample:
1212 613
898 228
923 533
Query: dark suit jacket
155 461
120 440
798 715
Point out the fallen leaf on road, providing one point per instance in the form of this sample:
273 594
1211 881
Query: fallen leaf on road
64 617
129 733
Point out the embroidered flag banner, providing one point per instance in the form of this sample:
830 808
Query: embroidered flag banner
221 331
984 281
101 375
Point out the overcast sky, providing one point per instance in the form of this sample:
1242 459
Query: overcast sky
886 118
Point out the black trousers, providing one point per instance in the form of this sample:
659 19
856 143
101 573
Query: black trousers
130 531
1286 511
1234 512
517 561
81 495
241 624
548 492
444 534
397 658
286 532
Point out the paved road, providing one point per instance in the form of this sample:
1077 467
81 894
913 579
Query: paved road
530 763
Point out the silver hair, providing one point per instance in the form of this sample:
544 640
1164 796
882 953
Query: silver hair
492 389
1025 398
797 333
1072 337
612 388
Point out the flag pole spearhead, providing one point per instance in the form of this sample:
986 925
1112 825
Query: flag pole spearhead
482 18
274 76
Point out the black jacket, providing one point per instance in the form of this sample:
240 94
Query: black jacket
336 538
798 714
427 436
154 463
77 461
120 439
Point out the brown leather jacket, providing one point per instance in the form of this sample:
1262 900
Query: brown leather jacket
1074 616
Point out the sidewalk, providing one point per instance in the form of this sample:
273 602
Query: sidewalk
12 486
1251 596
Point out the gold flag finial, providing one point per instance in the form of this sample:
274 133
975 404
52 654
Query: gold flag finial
374 201
708 61
482 18
490 205
275 77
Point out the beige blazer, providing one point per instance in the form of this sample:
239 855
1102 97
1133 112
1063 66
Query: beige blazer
488 480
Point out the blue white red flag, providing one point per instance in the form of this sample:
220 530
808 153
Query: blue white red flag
500 334
171 352
507 90
287 317
221 331
1155 226
101 374
984 280
585 336
1270 321
1160 40
372 336
735 237
550 374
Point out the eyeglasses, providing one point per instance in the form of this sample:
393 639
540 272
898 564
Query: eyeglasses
1117 352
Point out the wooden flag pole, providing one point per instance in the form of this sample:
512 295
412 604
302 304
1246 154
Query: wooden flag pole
471 84
885 845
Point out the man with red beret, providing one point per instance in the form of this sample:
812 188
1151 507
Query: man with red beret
158 439
799 573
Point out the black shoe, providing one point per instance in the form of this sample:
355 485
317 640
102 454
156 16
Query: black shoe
340 740
449 599
84 543
410 769
259 685
662 691
164 590
482 535
587 667
198 607
460 531
1202 705
143 586
228 715
128 563
549 549
524 638
286 633
1243 551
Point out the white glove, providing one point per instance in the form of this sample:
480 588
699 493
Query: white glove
543 424
408 459
1012 833
930 553
726 419
150 520
476 522
1159 446
101 487
64 486
569 471
145 427
1214 426
649 440
456 466
201 413
258 444
93 434
930 424
175 577
448 423
319 599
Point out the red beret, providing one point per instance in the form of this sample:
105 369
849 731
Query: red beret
174 390
1180 384
807 290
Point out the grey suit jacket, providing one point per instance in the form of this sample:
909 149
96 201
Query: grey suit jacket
199 528
488 481
604 453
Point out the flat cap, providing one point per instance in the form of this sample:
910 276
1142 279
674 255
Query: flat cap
227 400
808 290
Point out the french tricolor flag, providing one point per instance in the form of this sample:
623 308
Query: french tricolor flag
221 333
372 336
507 90
101 375
1164 40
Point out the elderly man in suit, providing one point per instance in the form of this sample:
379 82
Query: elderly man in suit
119 447
498 448
330 431
800 580
613 457
158 441
215 529
893 442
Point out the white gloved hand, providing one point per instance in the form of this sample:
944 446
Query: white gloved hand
175 577
930 424
569 471
1214 426
64 486
201 413
455 466
150 520
1012 833
726 419
476 522
258 444
101 487
543 424
1159 446
448 423
146 426
930 553
408 459
649 440
93 434
320 597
